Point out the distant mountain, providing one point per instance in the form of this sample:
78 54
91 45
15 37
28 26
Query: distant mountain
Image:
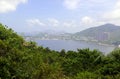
108 33
42 33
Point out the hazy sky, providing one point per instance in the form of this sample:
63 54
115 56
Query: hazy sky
58 15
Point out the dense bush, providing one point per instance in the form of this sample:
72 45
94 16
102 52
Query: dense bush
25 60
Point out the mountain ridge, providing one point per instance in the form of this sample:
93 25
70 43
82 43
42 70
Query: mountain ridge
107 33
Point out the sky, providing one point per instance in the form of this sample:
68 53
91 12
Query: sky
58 15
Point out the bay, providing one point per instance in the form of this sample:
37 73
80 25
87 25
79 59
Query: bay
74 45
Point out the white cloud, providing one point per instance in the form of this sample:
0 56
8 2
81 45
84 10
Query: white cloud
117 4
71 4
9 5
53 22
86 20
65 25
69 24
35 22
98 1
114 13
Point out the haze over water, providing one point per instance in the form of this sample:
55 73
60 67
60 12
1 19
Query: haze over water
73 45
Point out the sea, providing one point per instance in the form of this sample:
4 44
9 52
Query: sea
58 45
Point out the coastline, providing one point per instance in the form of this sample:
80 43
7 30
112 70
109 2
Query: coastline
95 42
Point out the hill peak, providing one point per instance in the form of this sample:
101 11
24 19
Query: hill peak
107 32
109 24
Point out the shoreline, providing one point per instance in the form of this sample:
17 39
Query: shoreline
99 43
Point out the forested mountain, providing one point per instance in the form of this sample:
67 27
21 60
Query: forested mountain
108 32
25 60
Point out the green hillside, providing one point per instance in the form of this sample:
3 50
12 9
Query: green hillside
108 33
25 60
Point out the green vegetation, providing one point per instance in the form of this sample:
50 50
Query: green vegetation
25 60
107 33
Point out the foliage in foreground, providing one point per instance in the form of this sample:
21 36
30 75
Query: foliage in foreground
25 60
